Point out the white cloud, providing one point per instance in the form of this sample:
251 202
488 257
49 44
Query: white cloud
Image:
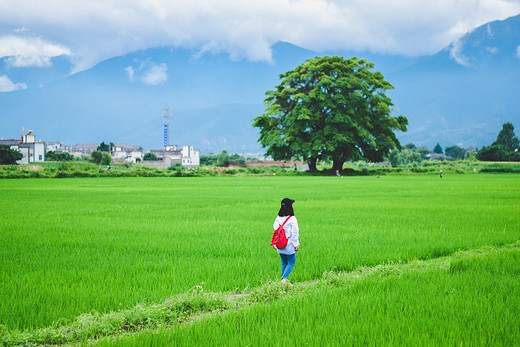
28 60
492 50
21 30
147 72
131 72
489 30
456 53
6 85
98 29
29 51
155 75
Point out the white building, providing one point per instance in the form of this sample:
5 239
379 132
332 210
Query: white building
186 156
82 149
190 157
120 151
52 146
32 150
127 153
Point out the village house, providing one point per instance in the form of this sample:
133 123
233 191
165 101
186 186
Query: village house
171 155
120 152
51 146
32 150
126 153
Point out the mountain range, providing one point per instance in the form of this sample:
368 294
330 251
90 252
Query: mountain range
460 96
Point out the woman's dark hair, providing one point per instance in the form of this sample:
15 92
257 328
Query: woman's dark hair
286 209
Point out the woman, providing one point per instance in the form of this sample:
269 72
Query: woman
288 254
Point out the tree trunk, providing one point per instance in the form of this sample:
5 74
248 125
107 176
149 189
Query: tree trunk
337 163
312 164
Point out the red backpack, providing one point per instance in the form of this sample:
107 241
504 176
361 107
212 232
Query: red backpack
279 239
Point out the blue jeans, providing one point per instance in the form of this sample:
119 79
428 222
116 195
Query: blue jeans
288 261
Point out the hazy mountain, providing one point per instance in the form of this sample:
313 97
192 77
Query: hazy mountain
463 94
212 100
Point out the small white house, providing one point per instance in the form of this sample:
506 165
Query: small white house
186 156
53 146
32 150
127 153
121 152
189 156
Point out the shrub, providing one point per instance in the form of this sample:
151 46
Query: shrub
58 156
150 156
501 168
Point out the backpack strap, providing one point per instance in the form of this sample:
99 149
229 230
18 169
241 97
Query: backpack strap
286 221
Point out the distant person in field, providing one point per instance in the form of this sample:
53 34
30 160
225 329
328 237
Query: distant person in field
441 173
288 254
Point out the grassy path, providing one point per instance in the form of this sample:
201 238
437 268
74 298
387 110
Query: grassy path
198 304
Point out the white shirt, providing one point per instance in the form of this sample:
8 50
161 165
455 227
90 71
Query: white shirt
292 232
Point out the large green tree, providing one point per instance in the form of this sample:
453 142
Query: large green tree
330 108
507 138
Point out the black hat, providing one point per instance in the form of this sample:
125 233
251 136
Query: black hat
287 202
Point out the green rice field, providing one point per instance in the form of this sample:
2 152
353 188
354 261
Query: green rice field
74 246
474 303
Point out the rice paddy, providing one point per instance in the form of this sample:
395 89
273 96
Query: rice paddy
474 302
74 246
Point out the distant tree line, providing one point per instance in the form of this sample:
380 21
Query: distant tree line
223 159
410 154
505 148
58 156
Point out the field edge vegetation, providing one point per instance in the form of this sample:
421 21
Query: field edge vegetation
360 168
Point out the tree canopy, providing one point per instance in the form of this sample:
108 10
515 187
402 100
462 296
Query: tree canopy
96 156
507 139
408 154
505 148
437 149
455 152
106 158
103 147
330 108
150 156
8 155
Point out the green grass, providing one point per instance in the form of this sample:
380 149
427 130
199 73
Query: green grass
469 299
491 274
74 246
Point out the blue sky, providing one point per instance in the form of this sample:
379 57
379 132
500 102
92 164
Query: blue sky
89 31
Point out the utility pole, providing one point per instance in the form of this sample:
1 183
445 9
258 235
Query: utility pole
166 118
